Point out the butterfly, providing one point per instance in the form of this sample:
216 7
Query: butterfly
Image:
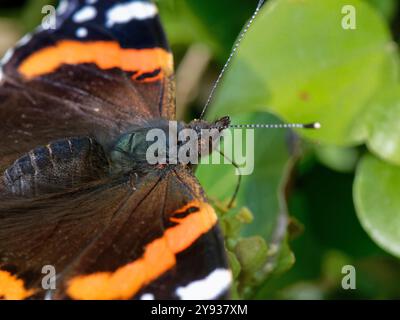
76 193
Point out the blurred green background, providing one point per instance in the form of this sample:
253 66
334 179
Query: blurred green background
317 200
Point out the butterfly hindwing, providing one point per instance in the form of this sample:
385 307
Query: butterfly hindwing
113 241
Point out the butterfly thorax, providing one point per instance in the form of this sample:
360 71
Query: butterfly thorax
165 143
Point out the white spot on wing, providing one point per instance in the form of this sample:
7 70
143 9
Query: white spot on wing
91 1
7 56
81 32
9 53
24 40
85 14
123 13
48 295
62 7
216 283
147 296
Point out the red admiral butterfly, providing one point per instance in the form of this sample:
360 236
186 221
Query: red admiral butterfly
77 193
112 225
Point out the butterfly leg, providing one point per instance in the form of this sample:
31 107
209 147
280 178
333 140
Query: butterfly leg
235 193
133 180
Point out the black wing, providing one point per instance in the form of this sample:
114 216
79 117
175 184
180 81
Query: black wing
158 239
113 237
56 83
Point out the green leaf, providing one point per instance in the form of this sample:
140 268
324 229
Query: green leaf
332 264
286 259
263 192
215 23
386 7
223 20
260 191
251 253
377 201
186 29
383 125
298 61
234 264
32 13
338 158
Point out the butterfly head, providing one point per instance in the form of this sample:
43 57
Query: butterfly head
208 134
220 124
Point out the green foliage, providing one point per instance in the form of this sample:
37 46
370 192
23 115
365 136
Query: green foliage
30 14
262 192
200 21
251 259
300 64
271 165
308 68
383 130
337 158
376 195
329 198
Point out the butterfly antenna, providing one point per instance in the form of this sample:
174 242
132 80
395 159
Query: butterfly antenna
312 125
232 54
235 193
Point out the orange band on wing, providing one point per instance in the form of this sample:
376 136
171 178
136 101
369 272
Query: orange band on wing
105 54
12 288
158 257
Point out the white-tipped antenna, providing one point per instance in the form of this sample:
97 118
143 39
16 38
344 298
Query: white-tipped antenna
313 125
232 54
